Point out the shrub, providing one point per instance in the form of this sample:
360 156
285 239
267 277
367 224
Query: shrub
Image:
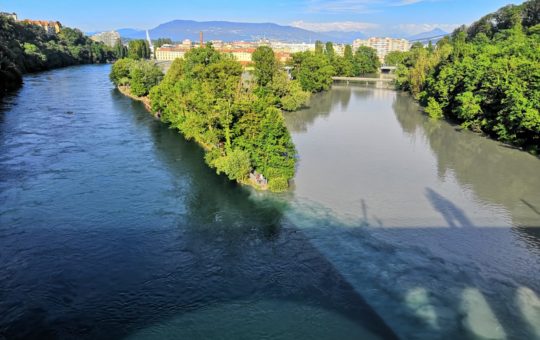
143 76
278 184
236 165
120 70
434 109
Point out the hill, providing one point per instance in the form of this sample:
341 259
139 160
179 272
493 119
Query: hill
179 30
433 35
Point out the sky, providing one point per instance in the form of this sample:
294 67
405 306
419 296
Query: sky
375 17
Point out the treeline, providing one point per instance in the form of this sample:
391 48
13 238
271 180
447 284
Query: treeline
485 76
139 75
138 48
238 122
314 70
28 48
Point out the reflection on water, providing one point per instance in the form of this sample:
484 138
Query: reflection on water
371 131
495 171
439 215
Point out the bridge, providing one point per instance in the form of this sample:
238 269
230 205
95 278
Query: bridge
388 68
363 80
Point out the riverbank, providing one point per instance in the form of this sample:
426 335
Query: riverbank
125 90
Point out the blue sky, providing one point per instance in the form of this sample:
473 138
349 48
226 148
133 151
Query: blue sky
370 16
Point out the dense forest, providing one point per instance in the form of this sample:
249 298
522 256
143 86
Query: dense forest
238 122
486 76
28 48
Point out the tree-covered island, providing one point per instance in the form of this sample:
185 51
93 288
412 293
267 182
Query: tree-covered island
238 118
238 122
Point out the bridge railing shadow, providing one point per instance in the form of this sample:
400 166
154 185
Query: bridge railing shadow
423 294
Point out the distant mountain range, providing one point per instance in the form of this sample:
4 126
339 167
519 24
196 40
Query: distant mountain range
179 30
433 35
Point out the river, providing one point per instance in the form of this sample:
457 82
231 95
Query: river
112 226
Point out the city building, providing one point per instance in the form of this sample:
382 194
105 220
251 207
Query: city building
291 47
242 55
171 52
241 51
50 27
12 16
108 38
383 45
186 43
283 57
217 44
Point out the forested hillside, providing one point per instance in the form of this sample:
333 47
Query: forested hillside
486 76
27 48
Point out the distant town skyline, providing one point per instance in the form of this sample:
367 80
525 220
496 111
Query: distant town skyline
373 17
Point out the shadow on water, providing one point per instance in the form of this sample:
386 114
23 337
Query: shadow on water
421 295
222 247
454 216
533 208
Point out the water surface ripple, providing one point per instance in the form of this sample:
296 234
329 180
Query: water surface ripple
112 226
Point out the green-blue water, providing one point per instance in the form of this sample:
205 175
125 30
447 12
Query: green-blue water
112 226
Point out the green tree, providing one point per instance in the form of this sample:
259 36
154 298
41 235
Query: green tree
313 71
25 47
469 106
348 53
486 76
365 61
242 130
276 155
343 67
120 70
138 49
289 93
395 58
236 164
140 75
266 65
434 109
71 36
329 50
120 50
319 47
162 41
531 13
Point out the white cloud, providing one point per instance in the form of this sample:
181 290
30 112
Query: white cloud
406 2
343 26
411 29
356 6
373 29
